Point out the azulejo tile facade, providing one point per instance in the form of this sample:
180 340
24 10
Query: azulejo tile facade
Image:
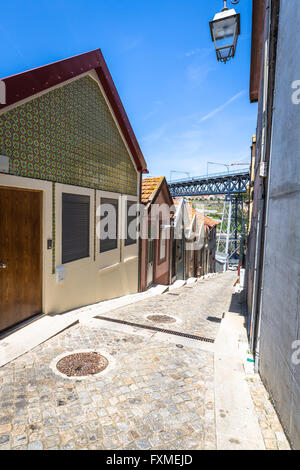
68 135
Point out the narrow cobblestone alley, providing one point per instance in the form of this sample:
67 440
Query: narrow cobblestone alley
157 393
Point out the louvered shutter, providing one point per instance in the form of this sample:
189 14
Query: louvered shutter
75 227
109 244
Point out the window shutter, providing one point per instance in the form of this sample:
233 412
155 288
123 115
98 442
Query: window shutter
110 244
130 218
75 227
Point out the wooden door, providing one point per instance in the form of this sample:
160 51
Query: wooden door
20 255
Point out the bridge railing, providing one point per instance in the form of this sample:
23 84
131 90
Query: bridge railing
210 176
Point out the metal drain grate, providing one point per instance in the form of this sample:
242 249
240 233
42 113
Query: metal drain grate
155 328
82 364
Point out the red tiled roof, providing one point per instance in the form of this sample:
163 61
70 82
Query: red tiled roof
210 222
149 188
201 218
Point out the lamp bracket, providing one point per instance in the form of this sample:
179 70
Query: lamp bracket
234 2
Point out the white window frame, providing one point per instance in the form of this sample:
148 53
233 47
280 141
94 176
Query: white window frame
111 257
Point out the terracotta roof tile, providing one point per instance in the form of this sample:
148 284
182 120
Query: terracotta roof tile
210 222
206 220
149 188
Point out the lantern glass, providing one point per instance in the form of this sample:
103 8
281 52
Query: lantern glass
225 29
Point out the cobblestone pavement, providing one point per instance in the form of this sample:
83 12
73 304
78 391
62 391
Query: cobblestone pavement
155 395
198 308
271 428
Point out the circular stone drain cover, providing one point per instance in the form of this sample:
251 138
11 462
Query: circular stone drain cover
82 364
161 319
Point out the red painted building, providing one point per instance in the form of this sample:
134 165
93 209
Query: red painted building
155 245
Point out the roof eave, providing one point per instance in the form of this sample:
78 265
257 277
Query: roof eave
27 84
258 19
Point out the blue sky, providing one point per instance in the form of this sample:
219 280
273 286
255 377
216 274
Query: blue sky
184 106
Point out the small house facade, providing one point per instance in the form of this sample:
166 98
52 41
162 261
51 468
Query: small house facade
192 231
155 242
194 242
67 149
179 240
211 242
200 254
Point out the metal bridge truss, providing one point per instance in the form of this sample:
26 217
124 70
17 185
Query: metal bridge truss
231 231
232 185
222 183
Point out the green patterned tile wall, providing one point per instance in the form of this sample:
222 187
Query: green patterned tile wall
68 136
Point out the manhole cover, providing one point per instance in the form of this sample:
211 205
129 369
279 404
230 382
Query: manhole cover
82 364
161 319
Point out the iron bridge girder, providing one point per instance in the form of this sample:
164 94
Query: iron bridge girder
228 184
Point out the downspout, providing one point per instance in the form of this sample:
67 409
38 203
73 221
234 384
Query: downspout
140 239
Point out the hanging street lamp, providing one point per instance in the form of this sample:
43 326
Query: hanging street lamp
225 29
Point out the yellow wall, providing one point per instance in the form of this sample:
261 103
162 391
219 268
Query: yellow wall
87 281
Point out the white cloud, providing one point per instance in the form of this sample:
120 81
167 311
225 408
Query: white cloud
130 44
156 108
197 74
204 52
190 53
154 136
224 105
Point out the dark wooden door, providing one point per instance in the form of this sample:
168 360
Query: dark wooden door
20 256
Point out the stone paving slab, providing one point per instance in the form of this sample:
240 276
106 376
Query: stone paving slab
272 431
198 307
28 337
156 396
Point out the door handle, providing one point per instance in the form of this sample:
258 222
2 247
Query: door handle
2 266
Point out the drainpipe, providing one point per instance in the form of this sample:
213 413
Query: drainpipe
140 240
255 281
